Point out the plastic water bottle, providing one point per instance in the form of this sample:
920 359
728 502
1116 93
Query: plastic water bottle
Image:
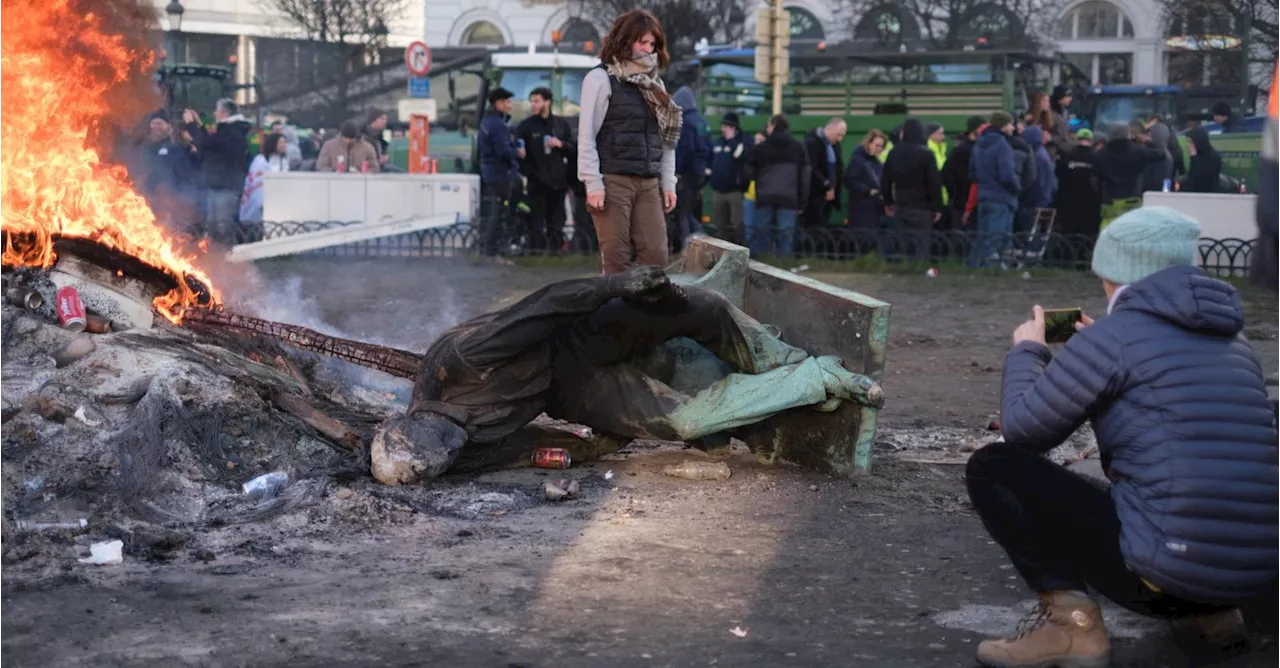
1166 185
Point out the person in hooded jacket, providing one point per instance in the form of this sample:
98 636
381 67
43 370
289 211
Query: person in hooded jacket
1171 144
996 185
1156 173
1204 175
224 159
1046 183
1025 163
693 165
1079 200
863 178
293 150
1119 164
1189 526
913 189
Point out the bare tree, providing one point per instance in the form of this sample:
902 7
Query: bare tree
685 22
348 34
944 24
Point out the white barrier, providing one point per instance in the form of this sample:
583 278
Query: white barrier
369 198
336 236
1221 216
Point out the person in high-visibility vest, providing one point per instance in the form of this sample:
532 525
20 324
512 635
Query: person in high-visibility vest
749 199
938 145
1264 258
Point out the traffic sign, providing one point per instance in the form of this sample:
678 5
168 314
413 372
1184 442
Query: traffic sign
419 87
418 58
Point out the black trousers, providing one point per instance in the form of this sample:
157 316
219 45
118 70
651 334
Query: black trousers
1061 530
915 231
546 218
497 206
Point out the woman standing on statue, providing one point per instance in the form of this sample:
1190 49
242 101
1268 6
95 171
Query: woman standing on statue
627 134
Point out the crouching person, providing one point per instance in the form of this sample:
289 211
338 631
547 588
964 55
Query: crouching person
1188 528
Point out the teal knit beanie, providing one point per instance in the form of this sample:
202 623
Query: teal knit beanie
1144 241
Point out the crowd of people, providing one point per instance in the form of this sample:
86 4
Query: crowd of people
198 178
653 156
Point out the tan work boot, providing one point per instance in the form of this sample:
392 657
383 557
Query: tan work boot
1063 631
1223 629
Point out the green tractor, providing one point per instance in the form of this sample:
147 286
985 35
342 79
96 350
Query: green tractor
199 87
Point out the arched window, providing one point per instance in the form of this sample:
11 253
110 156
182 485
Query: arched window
886 26
1201 20
992 23
1096 19
483 33
577 31
1201 47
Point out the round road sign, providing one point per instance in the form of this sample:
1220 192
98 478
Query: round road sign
418 58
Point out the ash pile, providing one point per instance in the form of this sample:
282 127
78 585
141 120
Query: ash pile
172 438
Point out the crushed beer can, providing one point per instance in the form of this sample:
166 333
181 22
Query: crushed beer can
70 309
551 458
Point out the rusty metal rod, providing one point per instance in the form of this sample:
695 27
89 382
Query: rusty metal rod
396 362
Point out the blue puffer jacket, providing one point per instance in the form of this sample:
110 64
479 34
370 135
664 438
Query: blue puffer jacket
693 151
992 168
1046 185
497 154
1184 427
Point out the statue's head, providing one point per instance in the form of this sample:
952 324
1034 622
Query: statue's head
414 447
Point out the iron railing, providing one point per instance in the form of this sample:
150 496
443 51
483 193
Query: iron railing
1219 257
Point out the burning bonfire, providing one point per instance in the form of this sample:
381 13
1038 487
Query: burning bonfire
64 72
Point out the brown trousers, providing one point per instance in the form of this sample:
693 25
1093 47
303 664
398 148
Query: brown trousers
632 224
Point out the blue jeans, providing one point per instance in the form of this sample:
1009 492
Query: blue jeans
772 227
995 225
748 219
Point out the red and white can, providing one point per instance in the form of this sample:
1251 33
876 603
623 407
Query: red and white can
70 309
551 458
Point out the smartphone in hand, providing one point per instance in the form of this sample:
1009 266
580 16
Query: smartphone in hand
1060 324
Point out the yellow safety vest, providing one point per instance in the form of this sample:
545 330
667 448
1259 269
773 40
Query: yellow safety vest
940 152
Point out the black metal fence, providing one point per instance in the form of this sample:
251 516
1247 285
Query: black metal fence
1220 257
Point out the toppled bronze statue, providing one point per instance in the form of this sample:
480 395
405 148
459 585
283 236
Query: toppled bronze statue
610 352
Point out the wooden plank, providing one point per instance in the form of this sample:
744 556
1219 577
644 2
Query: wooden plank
328 427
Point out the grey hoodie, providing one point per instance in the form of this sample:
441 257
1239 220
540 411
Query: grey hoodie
1154 174
292 152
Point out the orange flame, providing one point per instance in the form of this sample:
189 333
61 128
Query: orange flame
59 66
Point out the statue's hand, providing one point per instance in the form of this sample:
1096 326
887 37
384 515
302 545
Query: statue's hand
638 282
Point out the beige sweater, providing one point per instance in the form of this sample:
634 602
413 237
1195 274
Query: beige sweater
355 154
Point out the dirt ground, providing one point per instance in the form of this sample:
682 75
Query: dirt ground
892 569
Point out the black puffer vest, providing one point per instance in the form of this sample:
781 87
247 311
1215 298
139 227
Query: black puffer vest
629 142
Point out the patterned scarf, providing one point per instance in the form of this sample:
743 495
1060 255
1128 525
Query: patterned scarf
643 72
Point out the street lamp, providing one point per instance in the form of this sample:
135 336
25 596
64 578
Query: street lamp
175 12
